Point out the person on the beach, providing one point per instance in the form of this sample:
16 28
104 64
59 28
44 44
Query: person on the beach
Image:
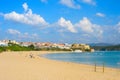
31 56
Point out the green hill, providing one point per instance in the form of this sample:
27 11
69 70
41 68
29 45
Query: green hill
107 48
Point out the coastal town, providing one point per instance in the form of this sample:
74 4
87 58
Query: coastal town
59 39
49 45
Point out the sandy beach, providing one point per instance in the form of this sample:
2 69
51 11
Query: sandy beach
20 66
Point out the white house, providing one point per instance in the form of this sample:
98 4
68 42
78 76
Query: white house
3 44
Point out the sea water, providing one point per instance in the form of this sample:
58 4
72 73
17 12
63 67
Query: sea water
108 58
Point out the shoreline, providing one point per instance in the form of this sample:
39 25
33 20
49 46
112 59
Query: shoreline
38 54
19 66
97 65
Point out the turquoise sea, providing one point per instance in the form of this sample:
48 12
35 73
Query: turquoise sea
109 58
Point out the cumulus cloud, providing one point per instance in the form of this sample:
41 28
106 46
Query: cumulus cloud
13 32
66 24
92 2
70 3
100 14
86 26
27 18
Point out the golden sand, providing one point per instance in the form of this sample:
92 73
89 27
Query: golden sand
19 66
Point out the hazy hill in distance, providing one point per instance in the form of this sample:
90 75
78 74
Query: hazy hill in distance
101 44
105 47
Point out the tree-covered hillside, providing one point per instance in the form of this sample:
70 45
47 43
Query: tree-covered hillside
107 48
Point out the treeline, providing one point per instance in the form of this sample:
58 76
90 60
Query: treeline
52 49
16 47
107 48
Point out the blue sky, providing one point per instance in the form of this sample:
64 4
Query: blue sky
66 21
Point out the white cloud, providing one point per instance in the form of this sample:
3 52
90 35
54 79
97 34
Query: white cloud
119 29
44 1
118 25
13 32
66 24
29 36
100 14
90 2
19 35
25 6
86 26
35 35
70 3
27 18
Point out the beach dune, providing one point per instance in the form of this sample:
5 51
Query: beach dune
20 66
